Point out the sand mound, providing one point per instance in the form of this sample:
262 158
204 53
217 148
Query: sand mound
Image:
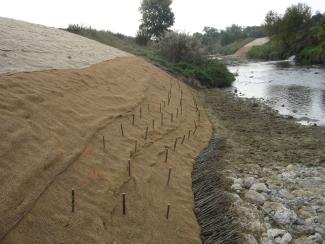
52 128
30 47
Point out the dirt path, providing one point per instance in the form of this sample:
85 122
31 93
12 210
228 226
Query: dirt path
53 123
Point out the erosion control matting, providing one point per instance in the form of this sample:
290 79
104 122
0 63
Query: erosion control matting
212 206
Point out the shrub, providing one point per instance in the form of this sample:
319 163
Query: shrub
210 74
181 47
311 55
142 38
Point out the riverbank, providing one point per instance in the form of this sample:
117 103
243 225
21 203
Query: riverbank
274 170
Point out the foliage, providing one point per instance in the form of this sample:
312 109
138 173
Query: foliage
264 52
231 34
297 32
209 73
181 47
312 55
142 38
229 40
157 17
321 34
234 46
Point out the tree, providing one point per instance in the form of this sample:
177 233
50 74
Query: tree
321 34
157 17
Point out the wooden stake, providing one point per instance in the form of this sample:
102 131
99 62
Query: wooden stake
177 112
175 143
195 124
199 115
189 134
153 124
171 117
183 139
140 113
160 107
136 146
124 209
104 144
168 209
72 200
169 174
129 165
146 134
122 131
133 117
194 130
161 119
166 155
181 109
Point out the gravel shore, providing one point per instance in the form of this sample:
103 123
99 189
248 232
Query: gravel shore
274 170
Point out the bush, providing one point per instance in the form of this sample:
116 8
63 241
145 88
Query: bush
210 74
181 47
311 55
142 38
264 52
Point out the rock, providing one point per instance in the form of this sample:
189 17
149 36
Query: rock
286 238
303 240
306 212
249 239
255 197
236 187
280 213
259 187
248 182
316 238
274 233
290 167
312 220
238 181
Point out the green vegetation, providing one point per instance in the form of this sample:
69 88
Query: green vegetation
228 41
264 52
178 53
234 46
157 17
297 32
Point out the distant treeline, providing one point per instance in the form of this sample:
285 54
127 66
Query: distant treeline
214 39
297 32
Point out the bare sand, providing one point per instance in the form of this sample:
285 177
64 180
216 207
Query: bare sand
52 127
26 47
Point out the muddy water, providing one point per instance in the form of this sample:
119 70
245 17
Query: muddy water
292 90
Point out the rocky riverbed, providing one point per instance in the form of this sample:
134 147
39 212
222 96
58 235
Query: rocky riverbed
275 170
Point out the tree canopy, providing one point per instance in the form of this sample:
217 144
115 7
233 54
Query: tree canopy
157 17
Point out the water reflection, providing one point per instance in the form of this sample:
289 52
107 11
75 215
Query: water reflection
292 90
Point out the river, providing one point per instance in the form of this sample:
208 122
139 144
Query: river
293 90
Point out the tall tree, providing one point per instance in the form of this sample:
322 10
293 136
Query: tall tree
157 17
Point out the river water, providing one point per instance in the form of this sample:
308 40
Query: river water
293 90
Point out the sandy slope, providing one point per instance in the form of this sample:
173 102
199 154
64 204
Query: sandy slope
257 42
30 47
52 123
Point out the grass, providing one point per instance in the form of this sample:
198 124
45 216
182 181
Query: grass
209 73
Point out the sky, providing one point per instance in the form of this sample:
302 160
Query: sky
123 15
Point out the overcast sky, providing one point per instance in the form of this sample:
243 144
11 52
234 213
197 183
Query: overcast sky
123 15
